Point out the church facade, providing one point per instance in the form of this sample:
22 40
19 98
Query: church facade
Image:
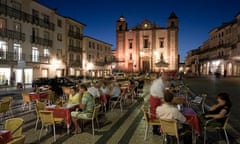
147 47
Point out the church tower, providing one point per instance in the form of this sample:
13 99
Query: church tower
173 40
121 28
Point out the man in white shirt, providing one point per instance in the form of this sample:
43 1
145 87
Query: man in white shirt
169 111
94 91
115 92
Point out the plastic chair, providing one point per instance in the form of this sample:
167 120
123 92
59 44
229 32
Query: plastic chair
148 121
15 126
26 100
18 140
170 127
9 98
47 119
39 106
208 127
4 108
94 117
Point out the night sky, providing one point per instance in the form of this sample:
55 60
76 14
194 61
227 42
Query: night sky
196 17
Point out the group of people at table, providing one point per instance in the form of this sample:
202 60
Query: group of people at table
86 96
162 106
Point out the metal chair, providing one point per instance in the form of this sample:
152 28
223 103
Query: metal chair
208 127
113 103
148 121
199 101
94 117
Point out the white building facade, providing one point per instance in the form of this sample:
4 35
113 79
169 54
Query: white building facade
220 53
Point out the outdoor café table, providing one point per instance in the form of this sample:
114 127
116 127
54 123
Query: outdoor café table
38 95
5 136
192 118
63 112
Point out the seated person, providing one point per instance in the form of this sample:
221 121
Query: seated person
86 105
218 110
74 96
169 111
115 91
93 90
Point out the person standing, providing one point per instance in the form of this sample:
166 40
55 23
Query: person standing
155 99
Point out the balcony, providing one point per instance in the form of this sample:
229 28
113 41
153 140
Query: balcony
75 35
40 59
7 57
75 49
12 34
41 41
20 15
76 63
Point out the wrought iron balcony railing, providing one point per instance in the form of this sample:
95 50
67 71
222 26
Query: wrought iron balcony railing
75 48
41 41
20 15
75 35
12 34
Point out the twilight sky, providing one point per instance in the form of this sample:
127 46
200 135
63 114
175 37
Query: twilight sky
196 17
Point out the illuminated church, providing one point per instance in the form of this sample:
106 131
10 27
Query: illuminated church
147 47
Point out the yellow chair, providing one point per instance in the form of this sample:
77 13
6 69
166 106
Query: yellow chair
15 126
18 140
26 100
9 98
47 119
208 127
148 121
170 127
4 108
39 106
94 117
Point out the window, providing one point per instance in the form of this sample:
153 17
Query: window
89 58
17 27
71 57
59 37
161 44
130 56
45 19
70 42
59 23
89 44
78 43
2 23
78 57
130 45
3 50
17 52
46 35
71 28
35 14
93 45
145 43
46 52
35 54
